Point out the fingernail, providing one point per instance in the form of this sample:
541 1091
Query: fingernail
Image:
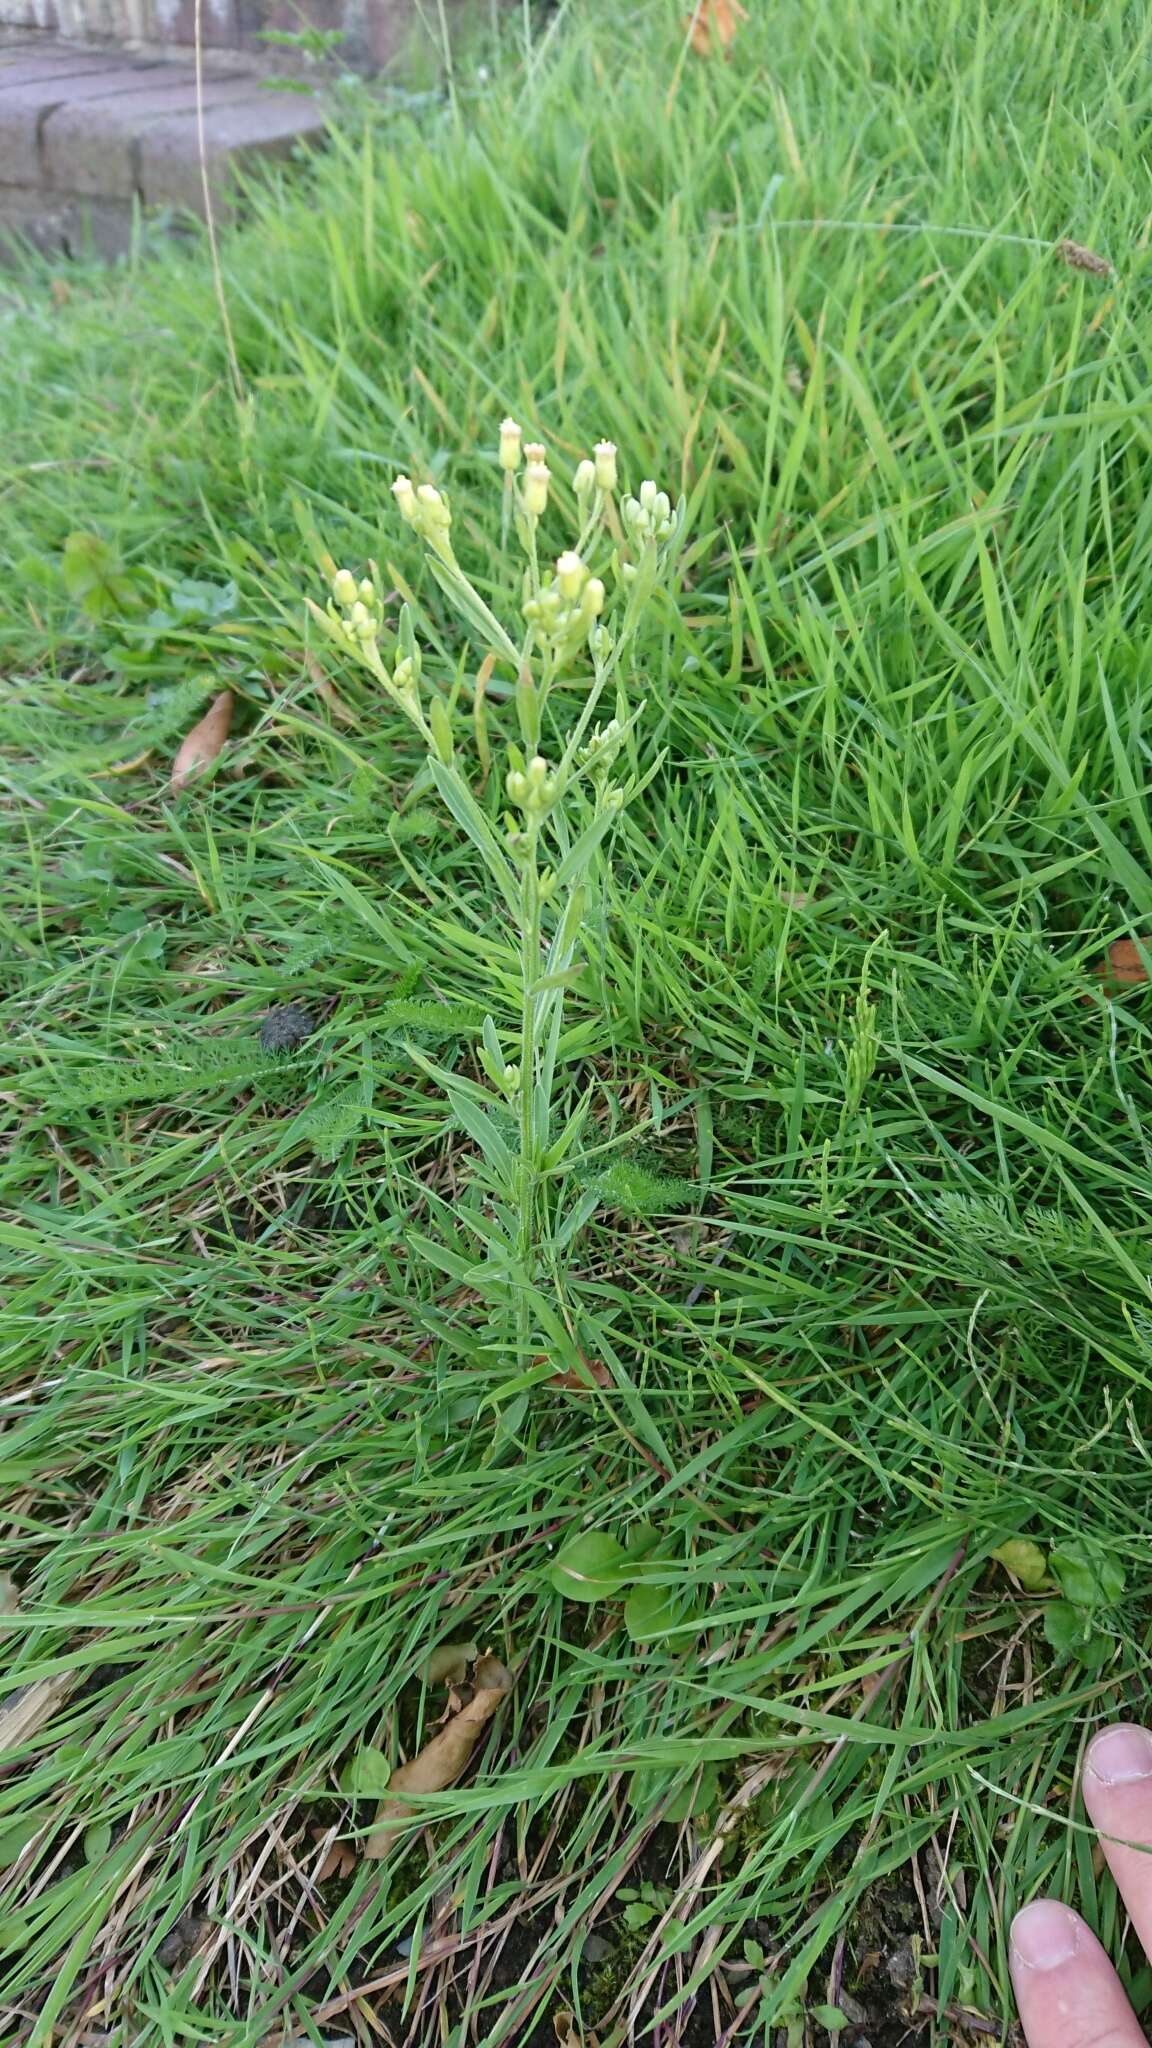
1045 1935
1120 1756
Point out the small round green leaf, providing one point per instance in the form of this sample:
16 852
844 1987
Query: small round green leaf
1025 1561
650 1611
1071 1634
367 1775
1063 1627
1089 1575
97 1841
591 1567
640 1913
830 2018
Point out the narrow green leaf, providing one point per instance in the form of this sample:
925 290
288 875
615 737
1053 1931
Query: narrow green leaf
471 819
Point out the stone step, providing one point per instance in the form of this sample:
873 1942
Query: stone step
86 139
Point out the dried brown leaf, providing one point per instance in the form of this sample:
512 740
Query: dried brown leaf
567 2033
339 1862
1123 966
444 1758
1077 257
26 1710
182 1940
713 24
448 1663
202 745
579 1379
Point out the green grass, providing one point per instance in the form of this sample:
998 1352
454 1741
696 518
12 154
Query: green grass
256 1460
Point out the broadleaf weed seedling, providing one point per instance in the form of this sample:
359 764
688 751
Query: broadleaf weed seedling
575 624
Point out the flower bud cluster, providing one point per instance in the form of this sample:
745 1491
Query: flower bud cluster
648 517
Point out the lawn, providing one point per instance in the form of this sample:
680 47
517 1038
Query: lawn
867 1298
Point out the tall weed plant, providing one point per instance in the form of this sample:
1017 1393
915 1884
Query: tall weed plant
555 647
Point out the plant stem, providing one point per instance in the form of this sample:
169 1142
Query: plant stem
529 1163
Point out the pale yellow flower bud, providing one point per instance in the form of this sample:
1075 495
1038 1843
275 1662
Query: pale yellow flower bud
537 477
509 445
344 587
648 494
540 787
584 481
543 612
605 452
535 451
368 590
404 493
571 575
593 597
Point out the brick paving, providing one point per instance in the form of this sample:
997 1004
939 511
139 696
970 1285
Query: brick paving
86 139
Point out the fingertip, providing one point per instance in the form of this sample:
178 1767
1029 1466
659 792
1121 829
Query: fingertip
1067 1991
1045 1935
1116 1783
1118 1756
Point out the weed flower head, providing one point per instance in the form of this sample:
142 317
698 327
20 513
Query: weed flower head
604 467
533 788
432 511
537 477
355 610
404 492
563 615
510 439
649 517
571 575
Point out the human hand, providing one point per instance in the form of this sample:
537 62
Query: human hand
1068 1993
